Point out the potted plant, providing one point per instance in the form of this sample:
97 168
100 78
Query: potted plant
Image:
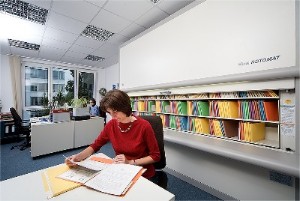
80 106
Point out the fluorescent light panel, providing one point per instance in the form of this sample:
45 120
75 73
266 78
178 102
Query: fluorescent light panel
24 10
94 58
22 44
154 1
97 33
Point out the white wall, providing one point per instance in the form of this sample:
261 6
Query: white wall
5 84
212 39
112 77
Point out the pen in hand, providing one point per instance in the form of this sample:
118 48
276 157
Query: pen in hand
69 161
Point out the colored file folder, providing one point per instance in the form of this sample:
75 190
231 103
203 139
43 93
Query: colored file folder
252 132
271 110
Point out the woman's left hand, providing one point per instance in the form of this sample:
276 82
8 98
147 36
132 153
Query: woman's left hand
121 159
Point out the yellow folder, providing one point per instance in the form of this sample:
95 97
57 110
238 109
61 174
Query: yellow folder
254 132
55 186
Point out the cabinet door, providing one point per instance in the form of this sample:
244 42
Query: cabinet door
86 131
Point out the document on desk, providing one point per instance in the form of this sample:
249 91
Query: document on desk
115 179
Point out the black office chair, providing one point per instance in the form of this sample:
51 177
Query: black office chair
102 114
161 177
22 128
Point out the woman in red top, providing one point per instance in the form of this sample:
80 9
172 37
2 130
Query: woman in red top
132 138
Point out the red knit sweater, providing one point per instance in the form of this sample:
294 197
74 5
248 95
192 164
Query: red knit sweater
137 143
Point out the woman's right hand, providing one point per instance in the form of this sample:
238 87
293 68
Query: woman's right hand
70 160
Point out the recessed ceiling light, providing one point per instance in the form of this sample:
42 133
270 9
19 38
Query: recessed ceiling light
154 1
22 44
97 33
94 58
24 10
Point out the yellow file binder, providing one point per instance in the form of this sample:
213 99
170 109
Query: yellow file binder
55 186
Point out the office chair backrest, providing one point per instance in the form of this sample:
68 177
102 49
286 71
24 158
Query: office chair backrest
16 117
157 126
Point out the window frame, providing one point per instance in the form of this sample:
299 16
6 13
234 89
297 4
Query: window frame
50 68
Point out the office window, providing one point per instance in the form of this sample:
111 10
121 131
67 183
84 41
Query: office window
46 84
86 84
36 86
62 85
33 88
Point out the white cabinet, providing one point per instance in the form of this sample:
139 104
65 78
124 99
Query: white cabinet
48 138
86 131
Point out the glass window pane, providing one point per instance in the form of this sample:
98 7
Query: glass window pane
86 85
36 86
62 85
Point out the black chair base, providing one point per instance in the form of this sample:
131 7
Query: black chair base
22 146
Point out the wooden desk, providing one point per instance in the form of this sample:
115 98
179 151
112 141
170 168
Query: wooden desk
30 187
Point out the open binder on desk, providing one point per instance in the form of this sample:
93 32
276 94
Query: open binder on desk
110 178
113 179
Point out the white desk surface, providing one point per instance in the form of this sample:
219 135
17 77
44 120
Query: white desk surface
30 187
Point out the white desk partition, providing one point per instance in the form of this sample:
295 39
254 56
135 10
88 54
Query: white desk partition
48 138
51 137
18 188
86 131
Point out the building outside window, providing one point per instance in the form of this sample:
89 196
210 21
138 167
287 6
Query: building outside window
46 85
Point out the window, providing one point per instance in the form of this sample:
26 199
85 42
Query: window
86 85
36 82
45 84
62 85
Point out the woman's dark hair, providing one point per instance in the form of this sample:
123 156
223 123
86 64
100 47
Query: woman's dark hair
116 100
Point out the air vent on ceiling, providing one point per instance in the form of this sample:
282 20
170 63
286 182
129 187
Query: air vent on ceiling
22 44
94 58
24 10
96 33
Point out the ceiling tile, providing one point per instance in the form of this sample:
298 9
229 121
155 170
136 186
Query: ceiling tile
20 29
98 3
76 55
49 56
130 10
171 6
24 52
110 61
60 38
152 17
90 63
117 39
43 4
132 30
59 35
88 42
56 44
106 50
79 10
81 49
44 50
69 59
110 21
64 23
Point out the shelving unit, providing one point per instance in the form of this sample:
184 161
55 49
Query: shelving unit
251 117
